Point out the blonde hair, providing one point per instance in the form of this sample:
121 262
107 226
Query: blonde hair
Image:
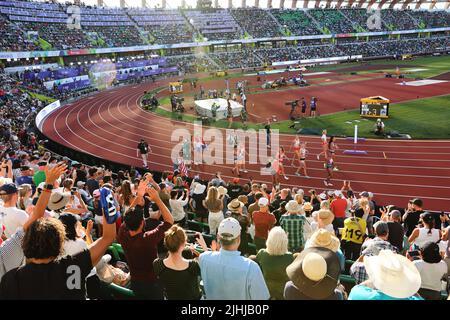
212 200
299 198
277 242
24 189
174 238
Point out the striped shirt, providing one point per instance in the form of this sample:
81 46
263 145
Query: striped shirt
293 225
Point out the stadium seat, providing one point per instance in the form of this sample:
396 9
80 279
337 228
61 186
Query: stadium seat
347 281
120 293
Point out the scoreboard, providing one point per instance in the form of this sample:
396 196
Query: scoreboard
374 107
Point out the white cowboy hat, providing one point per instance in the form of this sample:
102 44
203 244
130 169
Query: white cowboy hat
199 188
393 274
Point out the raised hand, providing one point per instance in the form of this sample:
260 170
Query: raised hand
153 194
52 174
142 188
89 226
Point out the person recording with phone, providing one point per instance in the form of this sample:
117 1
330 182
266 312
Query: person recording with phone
76 204
179 199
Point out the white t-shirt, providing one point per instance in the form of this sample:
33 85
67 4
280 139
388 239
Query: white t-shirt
328 227
431 274
72 247
177 208
12 218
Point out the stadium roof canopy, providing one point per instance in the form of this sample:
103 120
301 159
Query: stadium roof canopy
374 4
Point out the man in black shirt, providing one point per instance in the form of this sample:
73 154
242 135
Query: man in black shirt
396 231
142 150
234 189
303 107
267 127
44 276
412 215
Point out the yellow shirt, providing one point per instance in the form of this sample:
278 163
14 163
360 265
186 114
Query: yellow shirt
354 230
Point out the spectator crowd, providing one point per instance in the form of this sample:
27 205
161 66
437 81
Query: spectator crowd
170 237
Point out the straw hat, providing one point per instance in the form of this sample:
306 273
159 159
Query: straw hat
326 216
315 272
393 274
307 206
324 239
222 190
293 207
234 205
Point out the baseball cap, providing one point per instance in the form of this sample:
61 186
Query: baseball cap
80 184
236 180
370 194
9 188
42 163
381 228
323 196
418 202
24 168
262 202
96 193
427 217
364 194
229 229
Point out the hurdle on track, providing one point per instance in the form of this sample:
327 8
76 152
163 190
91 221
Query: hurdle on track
355 139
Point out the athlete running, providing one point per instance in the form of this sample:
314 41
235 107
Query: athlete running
303 154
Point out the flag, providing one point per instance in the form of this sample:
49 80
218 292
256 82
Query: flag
108 205
182 167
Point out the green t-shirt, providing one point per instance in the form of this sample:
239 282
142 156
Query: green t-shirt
39 177
274 271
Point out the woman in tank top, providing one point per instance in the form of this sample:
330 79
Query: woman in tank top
296 147
303 153
425 234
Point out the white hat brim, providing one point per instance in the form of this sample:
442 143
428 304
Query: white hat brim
399 285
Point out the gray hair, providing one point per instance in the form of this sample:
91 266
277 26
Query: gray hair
277 242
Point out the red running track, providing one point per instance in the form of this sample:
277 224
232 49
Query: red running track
110 124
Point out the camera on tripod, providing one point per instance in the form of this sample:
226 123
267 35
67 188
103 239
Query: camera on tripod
292 103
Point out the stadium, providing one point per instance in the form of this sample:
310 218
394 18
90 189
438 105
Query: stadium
225 150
